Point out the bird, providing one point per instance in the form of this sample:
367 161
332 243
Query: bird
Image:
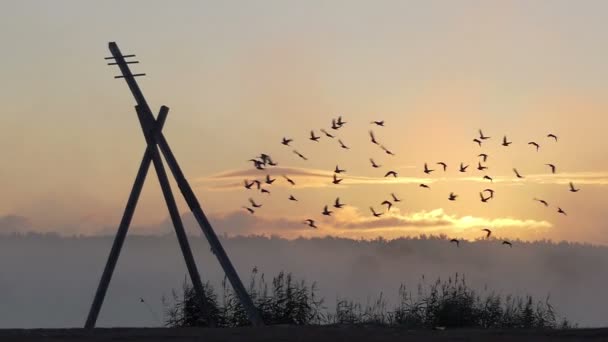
395 199
326 212
251 211
342 145
258 184
572 189
327 134
534 144
264 191
310 223
291 198
339 122
452 197
372 137
300 155
334 125
258 164
444 165
374 212
490 191
286 141
481 136
463 168
477 141
561 211
269 180
505 142
248 185
271 162
542 201
388 204
374 165
507 243
552 167
336 179
265 158
391 173
338 170
481 167
488 232
488 178
427 170
484 199
337 203
289 180
425 186
387 150
378 123
313 137
253 204
456 241
484 156
550 135
517 173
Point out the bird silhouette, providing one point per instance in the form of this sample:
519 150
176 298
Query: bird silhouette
265 191
334 125
490 191
481 167
251 211
342 145
253 204
477 141
326 211
311 223
388 204
291 198
427 170
378 123
269 180
505 142
327 134
258 184
425 186
488 232
374 165
313 137
391 173
463 168
444 165
338 170
482 137
286 141
372 137
248 185
265 158
300 155
339 122
542 201
517 173
561 211
484 156
336 179
289 180
337 203
488 178
395 199
271 162
374 212
456 241
550 135
484 199
258 164
534 144
507 243
572 188
387 150
552 167
452 197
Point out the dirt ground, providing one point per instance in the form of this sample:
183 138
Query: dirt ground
290 333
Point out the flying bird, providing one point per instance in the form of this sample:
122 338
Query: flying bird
425 186
378 123
300 155
387 150
572 189
313 137
427 170
326 212
552 167
338 170
289 180
488 178
251 211
550 135
391 173
336 179
388 204
444 165
337 203
456 241
534 144
452 197
253 204
270 180
291 198
374 212
248 185
339 122
482 137
311 223
484 199
374 165
286 141
258 164
463 168
264 191
327 133
505 142
517 173
484 156
561 211
488 232
334 125
372 137
258 184
542 201
395 199
507 243
477 141
481 167
342 145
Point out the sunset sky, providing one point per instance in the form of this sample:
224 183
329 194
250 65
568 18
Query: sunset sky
238 76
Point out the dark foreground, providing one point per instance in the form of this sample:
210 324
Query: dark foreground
286 333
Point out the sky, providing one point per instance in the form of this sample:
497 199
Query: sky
239 76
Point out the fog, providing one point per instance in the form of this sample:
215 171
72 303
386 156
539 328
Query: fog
49 281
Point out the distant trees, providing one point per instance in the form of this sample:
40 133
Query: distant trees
447 303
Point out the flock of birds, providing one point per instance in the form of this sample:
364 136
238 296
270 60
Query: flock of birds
264 161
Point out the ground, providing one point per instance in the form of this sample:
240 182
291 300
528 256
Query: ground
290 333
